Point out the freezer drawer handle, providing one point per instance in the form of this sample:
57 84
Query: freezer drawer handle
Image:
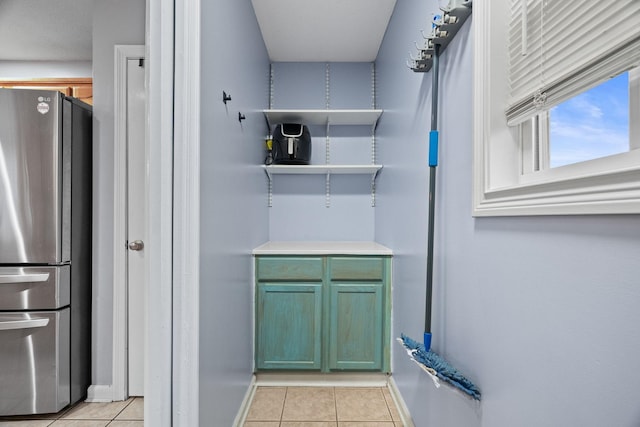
23 324
23 278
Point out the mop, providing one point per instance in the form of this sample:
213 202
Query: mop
438 368
433 364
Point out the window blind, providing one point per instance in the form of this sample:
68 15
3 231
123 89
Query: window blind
559 48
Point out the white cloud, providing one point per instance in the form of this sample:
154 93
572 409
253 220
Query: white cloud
591 125
583 106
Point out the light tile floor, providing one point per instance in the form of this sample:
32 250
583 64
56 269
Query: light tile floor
129 413
322 407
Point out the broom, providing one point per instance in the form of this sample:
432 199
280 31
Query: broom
432 363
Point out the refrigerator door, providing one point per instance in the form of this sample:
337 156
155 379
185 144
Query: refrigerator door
31 170
35 362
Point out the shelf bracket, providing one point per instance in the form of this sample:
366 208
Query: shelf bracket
327 197
327 152
373 162
270 188
374 177
373 191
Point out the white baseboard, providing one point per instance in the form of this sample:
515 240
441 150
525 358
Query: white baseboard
407 421
316 379
246 403
99 393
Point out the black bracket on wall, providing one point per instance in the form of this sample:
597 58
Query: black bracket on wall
225 97
241 117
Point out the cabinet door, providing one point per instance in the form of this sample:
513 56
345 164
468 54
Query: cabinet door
288 326
356 326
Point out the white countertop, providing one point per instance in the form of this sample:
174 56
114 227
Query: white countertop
322 248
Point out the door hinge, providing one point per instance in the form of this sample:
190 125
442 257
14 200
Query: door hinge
141 62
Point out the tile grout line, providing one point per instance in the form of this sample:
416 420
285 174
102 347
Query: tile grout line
384 398
284 402
121 411
335 404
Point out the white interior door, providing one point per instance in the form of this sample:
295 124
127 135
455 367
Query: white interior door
136 226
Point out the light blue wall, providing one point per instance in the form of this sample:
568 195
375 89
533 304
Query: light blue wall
233 212
540 312
299 209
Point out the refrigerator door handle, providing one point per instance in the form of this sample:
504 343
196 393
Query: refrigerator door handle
23 278
6 325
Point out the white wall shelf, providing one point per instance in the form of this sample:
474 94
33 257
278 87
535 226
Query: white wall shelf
328 118
324 117
321 169
327 171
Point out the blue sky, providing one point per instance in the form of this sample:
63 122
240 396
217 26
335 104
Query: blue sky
591 125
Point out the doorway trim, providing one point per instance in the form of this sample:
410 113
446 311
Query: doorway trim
123 53
160 27
186 221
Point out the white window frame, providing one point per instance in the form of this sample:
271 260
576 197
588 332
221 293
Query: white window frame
609 185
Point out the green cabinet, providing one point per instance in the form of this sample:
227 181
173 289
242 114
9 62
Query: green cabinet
324 313
356 327
290 326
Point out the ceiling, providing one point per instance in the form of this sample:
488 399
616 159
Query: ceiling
323 30
46 30
294 30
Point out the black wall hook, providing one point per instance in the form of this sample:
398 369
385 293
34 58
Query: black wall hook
225 97
241 117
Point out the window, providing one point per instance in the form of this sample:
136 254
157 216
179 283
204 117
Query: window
591 125
554 132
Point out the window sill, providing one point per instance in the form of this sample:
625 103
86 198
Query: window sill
604 186
614 193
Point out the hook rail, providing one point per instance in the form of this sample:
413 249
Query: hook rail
445 28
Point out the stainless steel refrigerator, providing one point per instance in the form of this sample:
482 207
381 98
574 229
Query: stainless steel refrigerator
45 251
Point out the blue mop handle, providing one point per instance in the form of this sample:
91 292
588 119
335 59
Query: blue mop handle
427 341
433 162
433 148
